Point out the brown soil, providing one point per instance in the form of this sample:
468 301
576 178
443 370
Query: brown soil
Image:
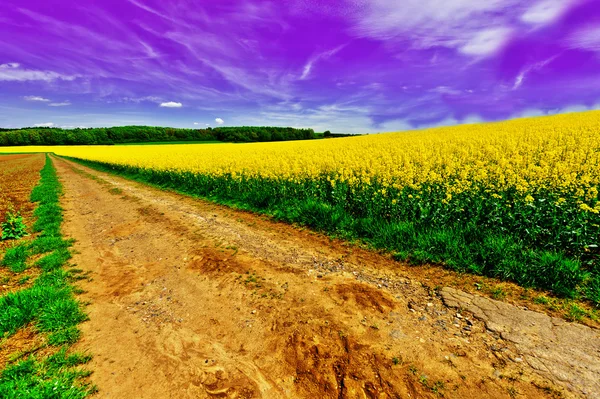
18 176
191 299
18 346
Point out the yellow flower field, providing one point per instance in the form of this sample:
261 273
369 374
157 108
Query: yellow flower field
516 199
558 152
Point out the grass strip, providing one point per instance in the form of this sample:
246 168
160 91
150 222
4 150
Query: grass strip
49 305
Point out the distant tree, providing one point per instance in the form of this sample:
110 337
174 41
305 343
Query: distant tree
141 134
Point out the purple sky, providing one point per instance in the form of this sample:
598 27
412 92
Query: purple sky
343 65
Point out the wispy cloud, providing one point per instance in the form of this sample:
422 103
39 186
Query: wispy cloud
219 121
531 68
463 24
62 104
157 12
336 117
47 124
405 63
171 104
486 42
545 11
321 56
587 38
13 72
446 90
35 98
137 100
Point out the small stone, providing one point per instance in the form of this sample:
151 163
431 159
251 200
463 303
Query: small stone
397 334
459 316
429 304
518 359
253 312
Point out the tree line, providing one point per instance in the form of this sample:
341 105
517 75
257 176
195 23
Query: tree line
148 134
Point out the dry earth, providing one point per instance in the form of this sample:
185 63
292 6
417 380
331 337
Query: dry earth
19 174
188 299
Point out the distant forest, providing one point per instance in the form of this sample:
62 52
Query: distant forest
149 134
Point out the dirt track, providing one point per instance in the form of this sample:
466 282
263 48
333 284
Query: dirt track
191 299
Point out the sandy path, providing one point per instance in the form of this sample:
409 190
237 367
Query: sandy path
191 299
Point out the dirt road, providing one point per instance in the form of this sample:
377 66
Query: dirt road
193 300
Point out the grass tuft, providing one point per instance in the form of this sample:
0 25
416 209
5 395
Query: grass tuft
15 258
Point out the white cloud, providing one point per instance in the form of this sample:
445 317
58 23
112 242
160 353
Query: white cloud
338 118
196 123
519 80
13 72
449 121
586 39
529 113
486 42
47 124
534 112
472 119
571 108
137 100
533 67
545 11
471 26
35 98
446 90
219 121
306 70
322 56
63 104
171 104
396 125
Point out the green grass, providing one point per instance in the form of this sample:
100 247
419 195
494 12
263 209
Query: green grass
15 258
542 245
47 244
49 305
55 377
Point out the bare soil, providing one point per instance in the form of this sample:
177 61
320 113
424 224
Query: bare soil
188 299
19 174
